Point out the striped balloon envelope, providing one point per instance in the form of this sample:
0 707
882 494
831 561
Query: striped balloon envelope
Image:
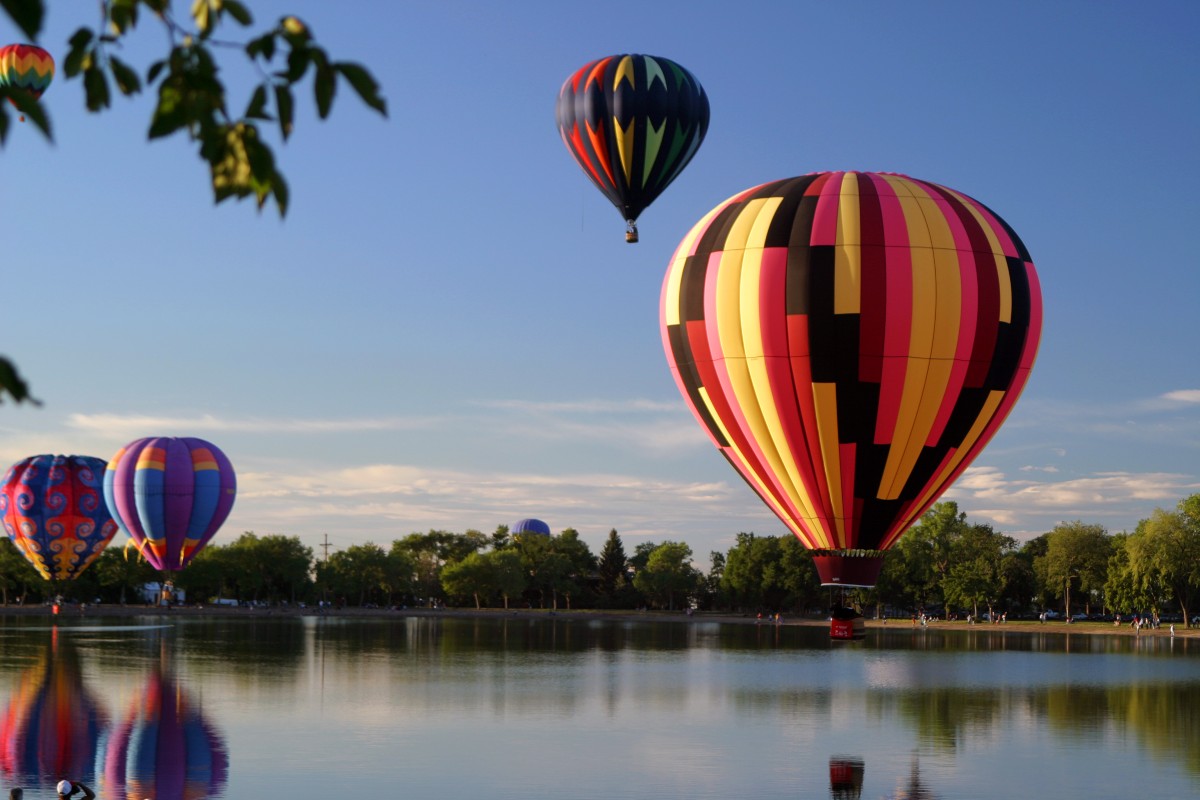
632 122
27 68
851 341
170 495
533 526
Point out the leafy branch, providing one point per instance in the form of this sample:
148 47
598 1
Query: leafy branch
191 95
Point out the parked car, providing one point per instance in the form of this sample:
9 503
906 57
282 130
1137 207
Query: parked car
1052 614
1079 618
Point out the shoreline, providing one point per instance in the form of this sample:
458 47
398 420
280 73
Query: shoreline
73 612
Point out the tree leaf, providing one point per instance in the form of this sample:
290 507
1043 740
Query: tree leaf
258 104
95 85
239 12
32 111
324 87
13 383
155 68
284 104
298 60
27 14
168 114
80 50
122 14
126 78
364 83
262 46
203 16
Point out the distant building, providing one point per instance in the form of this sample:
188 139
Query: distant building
155 594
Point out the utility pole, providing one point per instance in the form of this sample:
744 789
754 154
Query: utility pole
325 546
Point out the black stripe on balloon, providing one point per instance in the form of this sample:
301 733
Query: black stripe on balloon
1011 337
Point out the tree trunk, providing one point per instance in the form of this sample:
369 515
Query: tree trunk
477 606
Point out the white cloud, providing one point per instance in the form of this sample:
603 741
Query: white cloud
135 425
1183 396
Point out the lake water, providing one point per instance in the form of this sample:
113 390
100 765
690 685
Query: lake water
421 707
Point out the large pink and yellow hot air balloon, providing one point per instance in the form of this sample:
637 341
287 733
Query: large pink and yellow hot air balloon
851 341
170 495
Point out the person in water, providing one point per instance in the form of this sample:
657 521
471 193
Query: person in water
68 788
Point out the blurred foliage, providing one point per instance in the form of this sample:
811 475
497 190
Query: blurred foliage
191 94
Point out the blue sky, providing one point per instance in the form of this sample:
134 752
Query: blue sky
449 331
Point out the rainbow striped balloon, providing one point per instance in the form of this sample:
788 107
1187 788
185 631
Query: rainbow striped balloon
170 495
26 66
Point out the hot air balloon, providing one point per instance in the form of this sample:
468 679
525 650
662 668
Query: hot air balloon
26 67
170 495
632 122
530 526
850 342
53 509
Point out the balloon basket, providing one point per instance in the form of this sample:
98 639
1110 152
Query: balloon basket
847 628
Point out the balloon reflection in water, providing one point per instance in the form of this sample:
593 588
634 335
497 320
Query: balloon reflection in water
53 722
164 748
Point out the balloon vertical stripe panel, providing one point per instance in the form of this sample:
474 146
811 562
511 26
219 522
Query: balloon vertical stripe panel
850 341
170 495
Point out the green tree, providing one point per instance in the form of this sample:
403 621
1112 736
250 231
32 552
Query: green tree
510 574
17 575
977 570
1076 555
359 571
1123 593
713 595
475 576
430 552
122 574
210 575
501 538
668 574
612 567
925 555
1164 554
192 97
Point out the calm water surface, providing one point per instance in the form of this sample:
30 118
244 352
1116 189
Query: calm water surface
576 708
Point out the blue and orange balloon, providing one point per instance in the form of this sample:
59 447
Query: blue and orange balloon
53 509
26 67
170 495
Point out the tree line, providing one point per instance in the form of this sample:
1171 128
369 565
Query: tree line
944 565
